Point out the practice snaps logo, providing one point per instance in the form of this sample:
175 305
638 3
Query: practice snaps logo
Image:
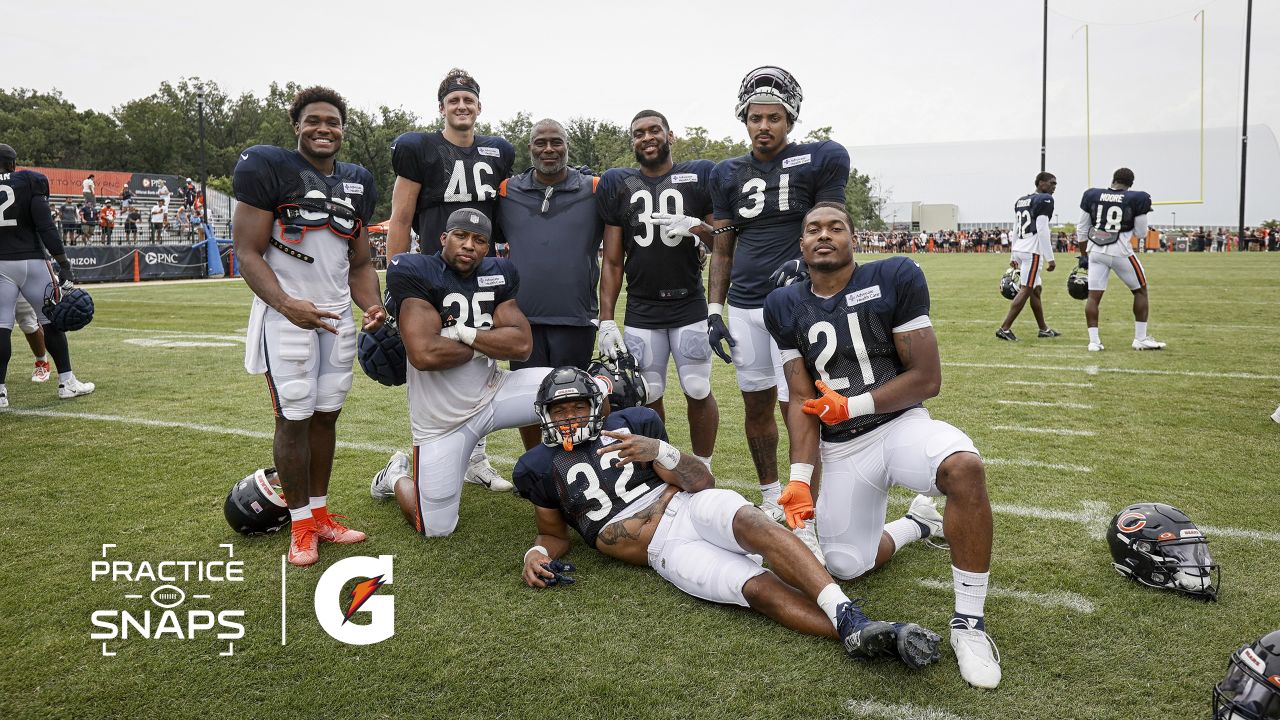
337 615
159 614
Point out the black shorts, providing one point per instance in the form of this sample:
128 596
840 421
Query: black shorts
556 345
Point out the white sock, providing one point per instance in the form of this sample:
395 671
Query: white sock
299 514
3 390
1139 330
66 377
478 453
705 460
904 531
971 591
771 492
43 358
1093 336
318 503
830 600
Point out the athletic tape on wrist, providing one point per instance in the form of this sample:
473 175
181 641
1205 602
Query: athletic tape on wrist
862 404
668 455
715 309
538 548
802 472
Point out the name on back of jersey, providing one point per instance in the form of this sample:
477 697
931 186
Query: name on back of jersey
1111 197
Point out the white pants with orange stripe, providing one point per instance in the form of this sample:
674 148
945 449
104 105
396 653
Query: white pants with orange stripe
1126 267
1030 266
440 462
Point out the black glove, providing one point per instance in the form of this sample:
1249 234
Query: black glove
717 332
560 573
1083 262
586 170
790 272
65 276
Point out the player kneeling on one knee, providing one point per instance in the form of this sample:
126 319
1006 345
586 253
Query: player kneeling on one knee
615 480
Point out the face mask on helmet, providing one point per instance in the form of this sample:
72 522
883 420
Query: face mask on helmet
1078 283
1009 283
1251 689
562 385
1158 546
769 84
625 386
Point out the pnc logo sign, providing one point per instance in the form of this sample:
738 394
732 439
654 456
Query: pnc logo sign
339 615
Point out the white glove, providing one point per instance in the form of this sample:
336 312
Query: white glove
676 225
462 333
449 333
610 340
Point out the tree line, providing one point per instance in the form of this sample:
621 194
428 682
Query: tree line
159 134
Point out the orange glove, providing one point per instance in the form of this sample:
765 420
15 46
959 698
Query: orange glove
832 408
797 503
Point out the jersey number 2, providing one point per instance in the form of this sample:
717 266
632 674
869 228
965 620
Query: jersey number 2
6 200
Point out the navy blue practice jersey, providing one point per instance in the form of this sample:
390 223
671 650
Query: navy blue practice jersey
1028 208
469 300
272 178
452 177
24 215
766 202
664 280
588 489
847 340
1113 211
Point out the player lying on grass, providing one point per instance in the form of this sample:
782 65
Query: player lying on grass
630 495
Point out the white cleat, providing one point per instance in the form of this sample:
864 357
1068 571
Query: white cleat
1095 347
1148 343
480 472
1274 416
923 510
41 372
4 400
75 388
384 482
773 510
977 656
809 536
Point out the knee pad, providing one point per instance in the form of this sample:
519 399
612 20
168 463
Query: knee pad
712 512
331 391
843 562
26 317
297 397
654 385
695 386
439 514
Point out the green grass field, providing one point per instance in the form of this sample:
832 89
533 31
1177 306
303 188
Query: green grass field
146 460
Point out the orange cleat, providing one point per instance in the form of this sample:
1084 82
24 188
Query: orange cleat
304 548
330 530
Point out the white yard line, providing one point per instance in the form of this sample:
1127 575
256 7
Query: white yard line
897 711
1040 403
1156 327
1094 370
1045 431
156 331
1052 599
1094 515
1037 464
1048 384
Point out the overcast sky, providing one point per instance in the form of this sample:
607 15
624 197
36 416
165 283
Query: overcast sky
880 73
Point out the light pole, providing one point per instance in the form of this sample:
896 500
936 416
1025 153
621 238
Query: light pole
204 174
1175 218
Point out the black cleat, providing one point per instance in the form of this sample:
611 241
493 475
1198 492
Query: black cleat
917 646
862 637
1006 335
1049 332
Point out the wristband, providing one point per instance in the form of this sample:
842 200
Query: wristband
802 472
715 309
535 547
668 455
466 334
862 404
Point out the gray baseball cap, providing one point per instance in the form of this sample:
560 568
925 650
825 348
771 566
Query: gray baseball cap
469 220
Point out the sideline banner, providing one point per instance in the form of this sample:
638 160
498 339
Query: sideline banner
146 262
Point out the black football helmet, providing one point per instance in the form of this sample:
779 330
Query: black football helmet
1078 283
67 310
626 386
382 355
1251 689
1009 283
1158 545
256 505
570 383
790 273
769 84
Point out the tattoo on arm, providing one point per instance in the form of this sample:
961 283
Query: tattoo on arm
620 531
904 352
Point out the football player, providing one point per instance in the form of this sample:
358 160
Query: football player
1032 246
1110 219
299 234
26 232
759 200
615 480
458 316
861 334
442 171
655 218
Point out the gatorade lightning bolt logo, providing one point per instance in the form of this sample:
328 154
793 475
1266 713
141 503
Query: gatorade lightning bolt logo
360 593
1131 522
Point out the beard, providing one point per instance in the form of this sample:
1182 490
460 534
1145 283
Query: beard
664 154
